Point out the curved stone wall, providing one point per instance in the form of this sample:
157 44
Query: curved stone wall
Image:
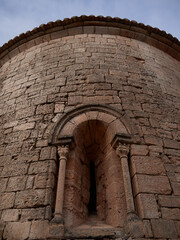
42 83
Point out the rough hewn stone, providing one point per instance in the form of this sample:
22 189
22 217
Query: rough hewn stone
151 184
17 230
39 230
163 228
147 206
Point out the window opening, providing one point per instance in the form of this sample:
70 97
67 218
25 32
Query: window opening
92 200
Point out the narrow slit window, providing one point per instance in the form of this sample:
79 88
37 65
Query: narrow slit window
92 200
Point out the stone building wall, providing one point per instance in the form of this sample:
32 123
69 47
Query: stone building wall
43 80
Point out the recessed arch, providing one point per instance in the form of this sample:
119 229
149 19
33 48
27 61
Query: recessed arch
95 129
118 122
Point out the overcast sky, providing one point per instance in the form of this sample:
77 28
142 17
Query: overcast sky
17 16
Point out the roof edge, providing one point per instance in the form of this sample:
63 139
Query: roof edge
132 29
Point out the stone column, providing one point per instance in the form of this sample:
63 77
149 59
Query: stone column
63 152
122 151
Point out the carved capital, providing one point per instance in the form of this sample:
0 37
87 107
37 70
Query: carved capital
122 149
63 151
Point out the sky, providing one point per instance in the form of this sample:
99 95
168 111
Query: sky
18 16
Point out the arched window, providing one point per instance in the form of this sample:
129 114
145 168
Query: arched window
94 183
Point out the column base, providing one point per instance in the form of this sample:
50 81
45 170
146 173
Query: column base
58 218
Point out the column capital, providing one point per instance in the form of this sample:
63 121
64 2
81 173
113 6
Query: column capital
122 149
63 151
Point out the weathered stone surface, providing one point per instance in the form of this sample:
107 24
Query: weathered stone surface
147 229
17 230
147 165
169 201
171 213
147 206
30 198
11 215
3 184
15 170
163 228
38 167
7 200
169 143
151 184
32 214
24 126
139 150
42 81
39 230
16 183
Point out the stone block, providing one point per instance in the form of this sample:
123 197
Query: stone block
3 184
139 150
32 214
56 231
11 215
147 165
30 182
171 213
151 184
16 183
48 153
147 229
178 227
176 188
40 181
169 143
169 201
30 198
153 140
7 200
39 230
14 170
24 126
147 206
163 228
38 167
59 108
17 230
45 108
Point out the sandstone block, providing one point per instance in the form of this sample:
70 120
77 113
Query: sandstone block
163 228
45 108
40 181
3 183
176 188
6 200
147 229
151 184
169 143
24 126
139 150
171 213
59 108
147 206
38 167
153 140
39 230
15 170
30 182
147 165
48 153
16 183
169 201
30 198
11 215
17 230
32 214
